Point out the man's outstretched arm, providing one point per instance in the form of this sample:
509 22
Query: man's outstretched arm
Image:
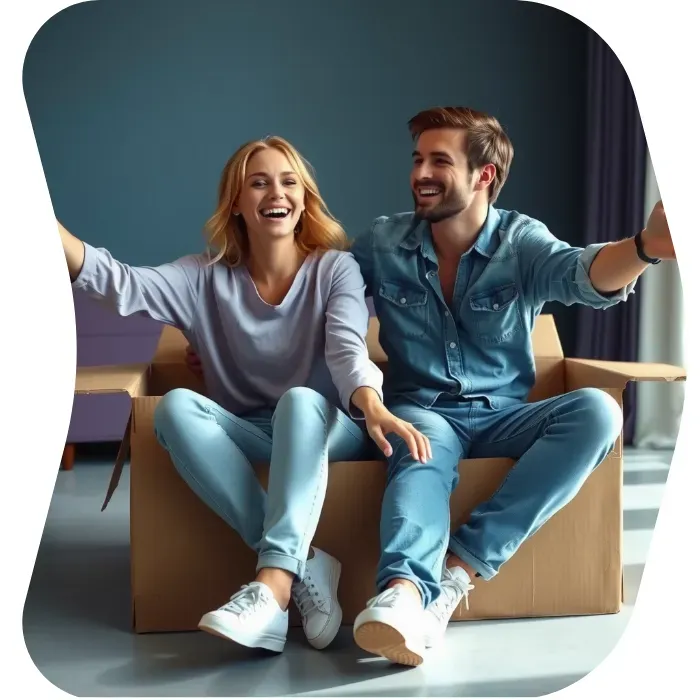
599 275
618 264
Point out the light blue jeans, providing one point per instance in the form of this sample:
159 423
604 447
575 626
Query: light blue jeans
557 443
213 450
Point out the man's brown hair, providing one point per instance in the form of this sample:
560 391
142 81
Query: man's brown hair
485 140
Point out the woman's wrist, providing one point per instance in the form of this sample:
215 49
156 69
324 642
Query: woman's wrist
367 400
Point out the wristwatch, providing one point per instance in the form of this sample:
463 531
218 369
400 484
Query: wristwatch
640 251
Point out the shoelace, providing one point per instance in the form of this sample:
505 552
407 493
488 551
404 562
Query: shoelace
453 590
247 600
306 596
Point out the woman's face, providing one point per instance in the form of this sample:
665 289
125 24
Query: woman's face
272 197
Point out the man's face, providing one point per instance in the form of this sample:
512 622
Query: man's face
440 179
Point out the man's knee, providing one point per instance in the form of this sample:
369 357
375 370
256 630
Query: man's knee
599 415
444 444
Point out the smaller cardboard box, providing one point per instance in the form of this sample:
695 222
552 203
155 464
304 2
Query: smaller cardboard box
186 561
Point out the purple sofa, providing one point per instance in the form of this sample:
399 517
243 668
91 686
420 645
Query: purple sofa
103 338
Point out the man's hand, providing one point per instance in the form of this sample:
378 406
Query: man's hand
656 237
192 361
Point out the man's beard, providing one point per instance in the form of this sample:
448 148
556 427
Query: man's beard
450 206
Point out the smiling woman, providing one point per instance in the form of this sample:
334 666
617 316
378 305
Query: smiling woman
265 183
276 312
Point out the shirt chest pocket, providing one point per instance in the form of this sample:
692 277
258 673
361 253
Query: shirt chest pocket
493 316
406 308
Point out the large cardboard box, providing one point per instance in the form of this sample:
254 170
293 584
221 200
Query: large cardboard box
186 561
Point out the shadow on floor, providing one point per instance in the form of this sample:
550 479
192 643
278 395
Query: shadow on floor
226 670
642 519
632 578
519 688
651 477
80 582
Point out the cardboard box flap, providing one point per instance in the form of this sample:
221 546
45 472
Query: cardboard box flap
171 346
122 456
545 339
615 375
112 379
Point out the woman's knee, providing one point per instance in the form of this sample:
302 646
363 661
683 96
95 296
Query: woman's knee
301 401
301 395
174 408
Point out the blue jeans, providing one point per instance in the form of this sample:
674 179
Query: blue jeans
557 443
212 450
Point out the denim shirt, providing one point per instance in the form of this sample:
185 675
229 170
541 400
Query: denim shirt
480 345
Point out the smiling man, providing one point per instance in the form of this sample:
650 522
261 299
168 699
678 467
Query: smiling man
457 285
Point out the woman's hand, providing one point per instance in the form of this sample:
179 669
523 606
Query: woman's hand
380 421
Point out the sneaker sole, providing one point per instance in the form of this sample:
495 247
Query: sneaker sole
384 640
331 630
211 624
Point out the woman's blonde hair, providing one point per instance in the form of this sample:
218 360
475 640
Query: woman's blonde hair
226 233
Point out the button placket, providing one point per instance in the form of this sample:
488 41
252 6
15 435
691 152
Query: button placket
454 359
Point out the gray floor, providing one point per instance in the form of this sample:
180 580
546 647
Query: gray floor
77 615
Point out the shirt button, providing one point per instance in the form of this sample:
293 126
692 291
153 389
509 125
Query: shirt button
447 313
453 345
495 307
403 300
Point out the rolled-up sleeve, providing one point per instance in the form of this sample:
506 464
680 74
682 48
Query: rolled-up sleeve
347 322
166 293
553 270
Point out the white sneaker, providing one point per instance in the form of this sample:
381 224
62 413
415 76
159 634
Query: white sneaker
252 618
455 585
393 626
316 596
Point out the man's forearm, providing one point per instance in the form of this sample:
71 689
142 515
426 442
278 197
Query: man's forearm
616 266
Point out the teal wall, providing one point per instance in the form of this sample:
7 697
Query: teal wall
136 105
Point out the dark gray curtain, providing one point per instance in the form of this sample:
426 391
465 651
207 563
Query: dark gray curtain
615 178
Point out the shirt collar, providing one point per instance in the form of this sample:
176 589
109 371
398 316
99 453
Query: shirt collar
486 243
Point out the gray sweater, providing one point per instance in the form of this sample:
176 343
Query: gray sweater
252 352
